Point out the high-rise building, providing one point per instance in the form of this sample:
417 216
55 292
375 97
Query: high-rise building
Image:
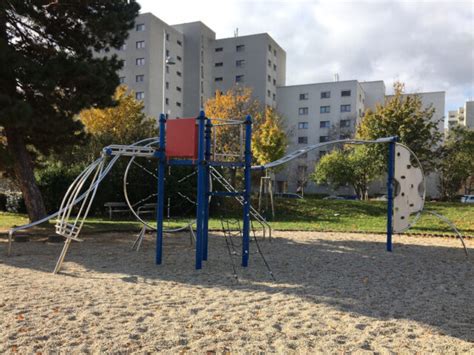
463 116
176 68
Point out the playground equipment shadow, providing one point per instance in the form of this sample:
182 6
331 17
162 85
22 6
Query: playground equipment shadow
328 286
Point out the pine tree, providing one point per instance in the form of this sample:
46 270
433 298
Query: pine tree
48 73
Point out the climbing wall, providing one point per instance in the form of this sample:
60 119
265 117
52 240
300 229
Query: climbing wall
409 197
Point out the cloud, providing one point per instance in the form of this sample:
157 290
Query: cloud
427 44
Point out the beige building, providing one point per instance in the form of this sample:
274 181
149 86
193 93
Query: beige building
463 116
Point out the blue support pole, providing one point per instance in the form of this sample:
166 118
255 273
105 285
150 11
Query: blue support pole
207 155
247 191
201 190
161 189
390 187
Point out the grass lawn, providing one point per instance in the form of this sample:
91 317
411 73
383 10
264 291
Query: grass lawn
312 214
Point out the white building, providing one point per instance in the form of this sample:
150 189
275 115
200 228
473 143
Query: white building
463 116
197 65
321 112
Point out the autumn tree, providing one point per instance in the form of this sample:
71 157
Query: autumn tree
48 73
123 123
269 141
403 116
268 136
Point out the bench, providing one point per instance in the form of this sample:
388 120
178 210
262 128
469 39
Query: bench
116 207
147 208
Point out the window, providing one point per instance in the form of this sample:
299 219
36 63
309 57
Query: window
218 79
345 93
202 72
302 111
178 104
122 79
167 85
269 47
124 47
274 97
323 139
167 101
275 52
302 140
269 63
325 109
269 94
178 89
274 67
240 48
345 108
167 36
345 123
140 61
239 78
139 78
167 69
344 136
140 27
274 82
140 44
219 49
167 52
179 58
139 95
269 78
178 73
179 42
322 153
325 94
303 125
304 96
324 124
220 64
202 87
240 63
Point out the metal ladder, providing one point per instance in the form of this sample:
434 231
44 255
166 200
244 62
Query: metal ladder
253 212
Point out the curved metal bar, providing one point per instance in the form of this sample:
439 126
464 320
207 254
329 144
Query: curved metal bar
132 206
310 148
80 198
448 222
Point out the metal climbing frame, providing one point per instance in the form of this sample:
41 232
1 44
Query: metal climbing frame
205 165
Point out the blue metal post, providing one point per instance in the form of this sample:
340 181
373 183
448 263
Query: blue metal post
201 190
207 155
161 189
247 191
390 187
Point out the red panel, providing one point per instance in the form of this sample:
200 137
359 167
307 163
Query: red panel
181 138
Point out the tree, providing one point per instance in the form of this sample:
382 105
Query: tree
403 116
48 73
457 162
269 141
355 166
268 136
123 123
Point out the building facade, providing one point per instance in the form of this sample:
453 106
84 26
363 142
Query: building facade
176 68
316 113
463 116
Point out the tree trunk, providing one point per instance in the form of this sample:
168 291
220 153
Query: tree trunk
23 168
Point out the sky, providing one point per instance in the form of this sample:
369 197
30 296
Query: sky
428 45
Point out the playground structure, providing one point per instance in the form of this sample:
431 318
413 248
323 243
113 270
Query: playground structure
190 142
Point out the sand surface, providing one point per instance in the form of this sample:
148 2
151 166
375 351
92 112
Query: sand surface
333 293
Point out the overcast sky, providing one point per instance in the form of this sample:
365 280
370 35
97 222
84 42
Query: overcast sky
429 45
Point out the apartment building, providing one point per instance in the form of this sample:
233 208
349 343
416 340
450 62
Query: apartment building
463 116
254 61
321 112
176 68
